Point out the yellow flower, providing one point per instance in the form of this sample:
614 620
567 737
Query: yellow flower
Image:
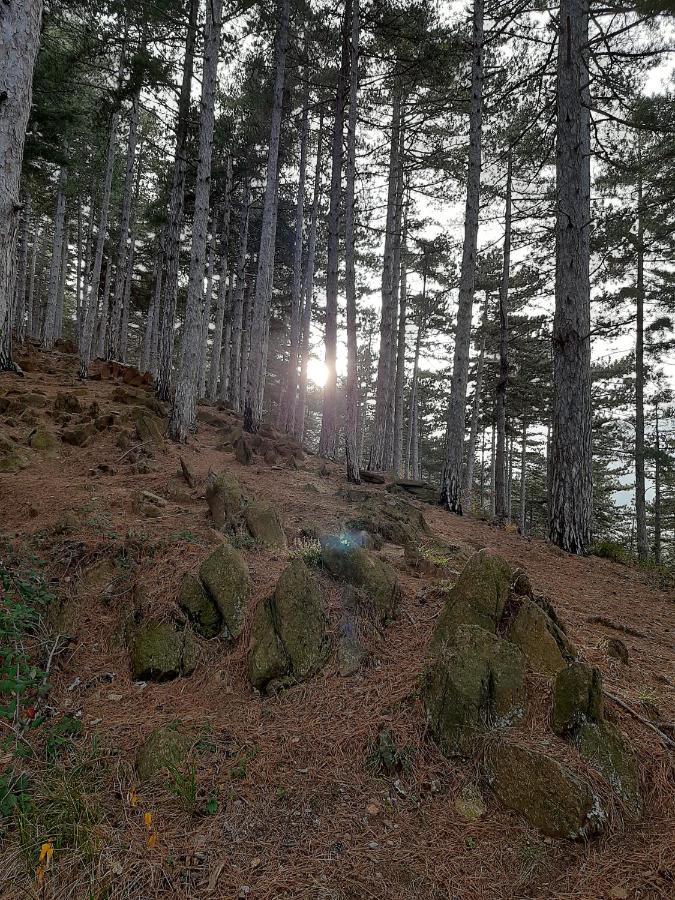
152 841
40 874
132 798
147 819
46 852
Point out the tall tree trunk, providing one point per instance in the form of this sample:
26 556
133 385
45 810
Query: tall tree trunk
174 226
58 327
395 295
523 475
246 336
290 387
19 41
352 411
87 266
30 303
263 290
400 356
383 388
451 488
493 472
640 510
226 351
475 412
105 305
78 274
115 339
328 436
206 309
298 403
503 378
49 329
146 356
216 347
238 303
413 418
21 283
571 446
657 493
93 291
185 401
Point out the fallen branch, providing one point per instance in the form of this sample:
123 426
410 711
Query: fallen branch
608 623
622 703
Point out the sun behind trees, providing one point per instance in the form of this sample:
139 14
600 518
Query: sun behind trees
454 215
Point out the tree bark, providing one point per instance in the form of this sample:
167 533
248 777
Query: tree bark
183 412
290 387
571 445
105 306
206 309
30 303
263 291
352 411
58 328
503 378
174 227
378 450
19 41
153 309
390 436
216 347
451 488
226 352
328 436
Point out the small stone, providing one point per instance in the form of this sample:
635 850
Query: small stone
78 435
160 653
66 402
12 457
149 428
470 804
166 749
44 442
543 642
615 648
243 452
188 472
374 578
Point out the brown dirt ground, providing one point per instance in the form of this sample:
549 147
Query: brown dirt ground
289 773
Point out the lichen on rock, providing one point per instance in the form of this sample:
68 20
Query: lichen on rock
577 698
264 524
224 497
474 685
605 748
375 579
225 576
289 639
552 798
160 652
200 608
541 639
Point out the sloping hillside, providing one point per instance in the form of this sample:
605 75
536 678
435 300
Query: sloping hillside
335 787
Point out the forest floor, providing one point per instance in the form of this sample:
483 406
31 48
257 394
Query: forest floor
282 802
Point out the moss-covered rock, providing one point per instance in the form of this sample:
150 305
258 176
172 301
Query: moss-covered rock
470 804
44 443
550 797
264 524
12 457
160 653
543 642
473 685
478 597
374 578
577 697
200 608
289 641
225 576
605 748
615 648
149 428
67 402
243 451
224 497
350 650
166 749
395 521
78 435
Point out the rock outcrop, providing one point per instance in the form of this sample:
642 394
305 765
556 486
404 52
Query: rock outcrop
264 524
165 750
374 579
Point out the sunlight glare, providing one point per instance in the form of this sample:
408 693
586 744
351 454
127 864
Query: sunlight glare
316 371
